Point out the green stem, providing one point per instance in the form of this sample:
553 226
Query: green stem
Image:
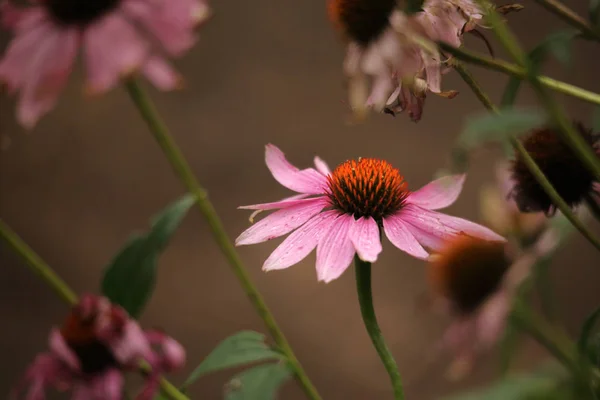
570 17
565 128
535 170
184 172
519 72
365 299
39 266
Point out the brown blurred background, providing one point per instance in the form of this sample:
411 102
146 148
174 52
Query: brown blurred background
264 71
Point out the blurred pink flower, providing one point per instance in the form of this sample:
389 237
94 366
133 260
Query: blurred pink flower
117 37
386 67
95 345
476 281
342 213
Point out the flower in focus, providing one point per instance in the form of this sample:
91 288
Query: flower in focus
386 68
571 179
117 37
476 280
343 213
500 212
88 354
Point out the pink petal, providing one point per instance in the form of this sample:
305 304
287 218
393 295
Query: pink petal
172 353
280 222
47 75
300 243
444 226
306 181
113 49
45 370
364 234
491 319
438 194
161 74
335 250
131 345
322 166
285 203
59 347
401 237
108 386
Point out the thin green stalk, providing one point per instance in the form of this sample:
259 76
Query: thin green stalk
37 264
365 299
39 267
519 72
568 133
570 17
535 170
183 170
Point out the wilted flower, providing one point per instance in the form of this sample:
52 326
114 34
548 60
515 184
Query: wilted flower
500 212
118 37
344 212
382 49
569 176
476 280
89 353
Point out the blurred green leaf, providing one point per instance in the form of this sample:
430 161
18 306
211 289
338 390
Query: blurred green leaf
557 44
413 6
258 383
544 384
497 127
510 92
586 331
239 349
508 346
130 278
594 13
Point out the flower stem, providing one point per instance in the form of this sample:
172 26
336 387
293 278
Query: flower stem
535 170
184 172
365 299
37 264
519 72
570 17
565 128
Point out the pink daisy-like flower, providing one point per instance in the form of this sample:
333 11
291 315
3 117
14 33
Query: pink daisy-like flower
95 345
342 213
475 281
117 37
386 67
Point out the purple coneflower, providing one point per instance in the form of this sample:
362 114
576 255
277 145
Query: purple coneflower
90 352
343 213
117 37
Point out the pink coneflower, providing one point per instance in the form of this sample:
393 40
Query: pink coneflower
342 213
95 345
476 281
118 37
386 67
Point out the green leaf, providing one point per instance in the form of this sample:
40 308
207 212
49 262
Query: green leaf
586 331
130 278
258 383
557 44
239 349
413 6
508 346
510 92
595 12
497 127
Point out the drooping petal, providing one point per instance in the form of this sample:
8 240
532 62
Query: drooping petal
285 203
335 249
161 74
61 350
401 237
46 75
131 346
364 234
300 243
438 194
322 166
46 370
280 222
113 49
172 353
107 386
490 320
302 181
444 226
